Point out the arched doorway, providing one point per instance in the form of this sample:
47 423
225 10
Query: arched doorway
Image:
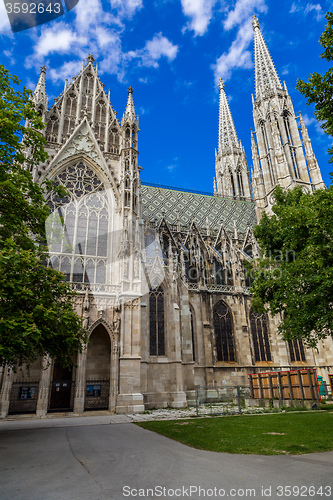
62 395
98 370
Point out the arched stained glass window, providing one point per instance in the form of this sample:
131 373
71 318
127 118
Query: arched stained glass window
192 333
296 349
80 240
223 330
156 322
259 331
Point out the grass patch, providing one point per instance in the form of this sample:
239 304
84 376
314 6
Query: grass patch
275 434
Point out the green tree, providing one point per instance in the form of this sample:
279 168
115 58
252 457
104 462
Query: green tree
36 304
294 278
319 89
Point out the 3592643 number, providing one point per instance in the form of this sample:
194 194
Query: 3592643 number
304 491
32 8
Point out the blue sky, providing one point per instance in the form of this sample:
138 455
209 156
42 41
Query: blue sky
172 53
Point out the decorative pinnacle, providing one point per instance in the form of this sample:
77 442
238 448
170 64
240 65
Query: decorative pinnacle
39 96
130 109
255 22
90 58
221 84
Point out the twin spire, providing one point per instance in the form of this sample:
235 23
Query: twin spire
266 77
227 132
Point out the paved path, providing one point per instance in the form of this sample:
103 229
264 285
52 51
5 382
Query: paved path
80 458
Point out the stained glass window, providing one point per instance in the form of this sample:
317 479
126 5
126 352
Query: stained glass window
156 322
259 331
78 243
296 349
223 330
192 332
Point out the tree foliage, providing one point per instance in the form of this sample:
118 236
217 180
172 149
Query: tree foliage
294 278
319 89
36 304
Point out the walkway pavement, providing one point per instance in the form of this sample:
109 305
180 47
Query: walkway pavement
105 457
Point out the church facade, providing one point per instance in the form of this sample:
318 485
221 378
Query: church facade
159 272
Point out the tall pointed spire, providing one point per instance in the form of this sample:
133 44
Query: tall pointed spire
265 73
39 96
227 132
279 150
232 173
129 114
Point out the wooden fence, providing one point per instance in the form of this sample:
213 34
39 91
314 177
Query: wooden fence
291 384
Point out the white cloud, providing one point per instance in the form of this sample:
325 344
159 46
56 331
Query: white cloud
67 70
308 120
237 56
58 38
154 49
242 11
4 21
200 13
127 8
95 31
310 8
173 165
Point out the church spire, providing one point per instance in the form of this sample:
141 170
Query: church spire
232 173
266 76
129 114
279 146
39 97
227 132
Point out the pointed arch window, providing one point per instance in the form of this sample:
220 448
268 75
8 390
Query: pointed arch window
290 142
267 153
248 250
223 330
259 332
233 189
52 129
240 183
156 322
296 349
192 333
127 192
79 245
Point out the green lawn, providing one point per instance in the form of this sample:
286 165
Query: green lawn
275 434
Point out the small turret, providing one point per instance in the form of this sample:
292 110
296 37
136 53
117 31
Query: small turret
129 115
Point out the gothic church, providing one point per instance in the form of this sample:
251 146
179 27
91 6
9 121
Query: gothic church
160 271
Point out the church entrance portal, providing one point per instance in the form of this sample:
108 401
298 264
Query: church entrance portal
61 389
98 370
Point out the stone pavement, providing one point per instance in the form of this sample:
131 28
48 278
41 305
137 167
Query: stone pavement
87 458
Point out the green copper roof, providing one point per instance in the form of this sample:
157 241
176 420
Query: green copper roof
159 201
